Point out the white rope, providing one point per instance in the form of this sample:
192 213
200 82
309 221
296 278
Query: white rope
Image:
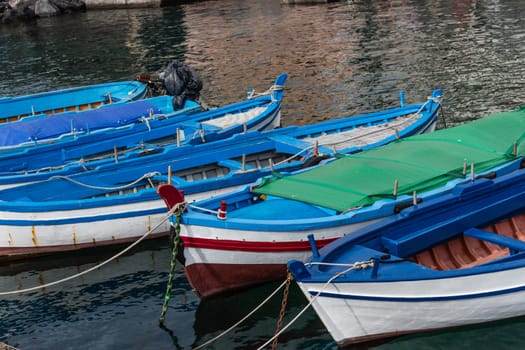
175 208
436 99
197 133
81 161
357 265
145 176
146 120
278 163
267 92
42 170
243 319
206 210
295 155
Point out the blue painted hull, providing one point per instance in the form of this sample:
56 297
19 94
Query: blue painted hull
73 151
384 267
215 249
68 100
115 202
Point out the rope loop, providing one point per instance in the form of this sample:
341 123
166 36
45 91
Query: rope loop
146 176
270 91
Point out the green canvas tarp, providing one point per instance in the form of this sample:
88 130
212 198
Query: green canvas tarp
418 163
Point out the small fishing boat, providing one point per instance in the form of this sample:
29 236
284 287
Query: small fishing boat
266 224
64 127
455 260
70 100
117 202
156 124
212 259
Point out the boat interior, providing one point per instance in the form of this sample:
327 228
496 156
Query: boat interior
476 246
57 110
211 171
365 135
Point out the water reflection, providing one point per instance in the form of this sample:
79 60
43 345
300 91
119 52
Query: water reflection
117 306
342 58
214 316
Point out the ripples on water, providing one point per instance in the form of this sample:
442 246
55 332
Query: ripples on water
342 58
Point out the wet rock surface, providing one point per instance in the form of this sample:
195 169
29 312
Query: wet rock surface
25 10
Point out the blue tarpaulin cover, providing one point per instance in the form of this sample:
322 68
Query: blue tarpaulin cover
52 126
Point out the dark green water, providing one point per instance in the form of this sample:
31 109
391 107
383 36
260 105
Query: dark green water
342 58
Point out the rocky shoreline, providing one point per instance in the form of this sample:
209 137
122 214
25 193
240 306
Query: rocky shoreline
24 10
27 10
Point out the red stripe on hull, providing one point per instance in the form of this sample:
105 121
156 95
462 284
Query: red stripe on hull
210 279
250 246
214 279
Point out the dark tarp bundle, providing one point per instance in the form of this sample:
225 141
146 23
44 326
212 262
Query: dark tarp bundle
180 81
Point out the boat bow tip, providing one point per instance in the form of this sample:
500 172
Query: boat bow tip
171 195
298 270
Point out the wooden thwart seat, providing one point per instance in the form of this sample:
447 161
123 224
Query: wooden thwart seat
505 241
474 247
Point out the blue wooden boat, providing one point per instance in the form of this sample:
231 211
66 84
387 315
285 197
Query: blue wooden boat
455 260
68 100
45 129
266 224
157 123
114 202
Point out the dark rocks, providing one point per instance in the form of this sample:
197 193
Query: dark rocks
24 10
69 6
45 8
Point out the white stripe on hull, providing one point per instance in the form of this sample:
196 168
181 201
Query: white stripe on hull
242 255
354 319
25 234
80 232
198 255
214 234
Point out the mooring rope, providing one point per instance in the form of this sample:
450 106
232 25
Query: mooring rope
270 90
284 302
295 155
206 210
243 319
357 265
145 176
98 265
167 295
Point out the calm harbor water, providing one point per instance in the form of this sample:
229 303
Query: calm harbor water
342 58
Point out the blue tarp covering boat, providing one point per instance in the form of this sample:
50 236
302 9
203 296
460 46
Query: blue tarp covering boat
34 129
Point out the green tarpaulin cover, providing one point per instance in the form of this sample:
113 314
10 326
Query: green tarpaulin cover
418 163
